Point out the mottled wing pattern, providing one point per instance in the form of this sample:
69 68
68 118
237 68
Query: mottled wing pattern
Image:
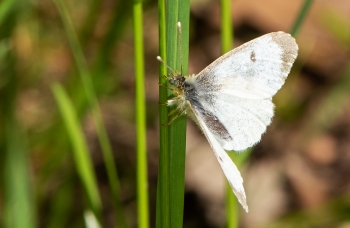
236 89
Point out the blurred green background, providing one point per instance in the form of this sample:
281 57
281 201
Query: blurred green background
67 65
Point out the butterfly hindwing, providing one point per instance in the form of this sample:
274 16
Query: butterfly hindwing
229 168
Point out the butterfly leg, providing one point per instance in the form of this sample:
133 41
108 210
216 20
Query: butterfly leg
175 117
171 89
172 112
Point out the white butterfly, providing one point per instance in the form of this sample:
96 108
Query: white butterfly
231 99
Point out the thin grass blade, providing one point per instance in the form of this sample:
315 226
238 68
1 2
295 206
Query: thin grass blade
142 173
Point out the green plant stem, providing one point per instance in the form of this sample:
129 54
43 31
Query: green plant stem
177 130
301 17
226 26
163 186
171 179
142 183
91 97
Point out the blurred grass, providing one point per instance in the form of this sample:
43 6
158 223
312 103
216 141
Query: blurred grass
92 100
301 17
17 194
19 200
80 149
140 100
19 197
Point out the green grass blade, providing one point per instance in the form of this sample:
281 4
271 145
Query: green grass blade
163 185
177 130
170 195
19 199
5 8
226 26
142 183
80 149
91 97
301 17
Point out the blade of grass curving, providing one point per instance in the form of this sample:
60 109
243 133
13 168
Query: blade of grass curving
163 185
80 149
142 184
91 97
301 17
5 8
103 63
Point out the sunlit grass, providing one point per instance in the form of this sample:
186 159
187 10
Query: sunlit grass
140 103
170 195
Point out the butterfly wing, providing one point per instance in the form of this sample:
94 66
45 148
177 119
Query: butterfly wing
256 69
229 168
237 88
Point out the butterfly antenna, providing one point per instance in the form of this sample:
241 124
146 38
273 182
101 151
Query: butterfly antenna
161 60
179 42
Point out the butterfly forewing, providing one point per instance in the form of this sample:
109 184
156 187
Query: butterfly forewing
256 69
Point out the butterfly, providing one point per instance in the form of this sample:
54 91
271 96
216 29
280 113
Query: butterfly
231 99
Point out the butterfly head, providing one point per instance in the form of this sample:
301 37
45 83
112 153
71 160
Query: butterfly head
177 80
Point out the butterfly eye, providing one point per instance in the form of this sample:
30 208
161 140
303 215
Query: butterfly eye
172 81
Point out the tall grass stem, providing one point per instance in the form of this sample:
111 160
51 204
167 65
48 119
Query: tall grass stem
142 183
163 185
